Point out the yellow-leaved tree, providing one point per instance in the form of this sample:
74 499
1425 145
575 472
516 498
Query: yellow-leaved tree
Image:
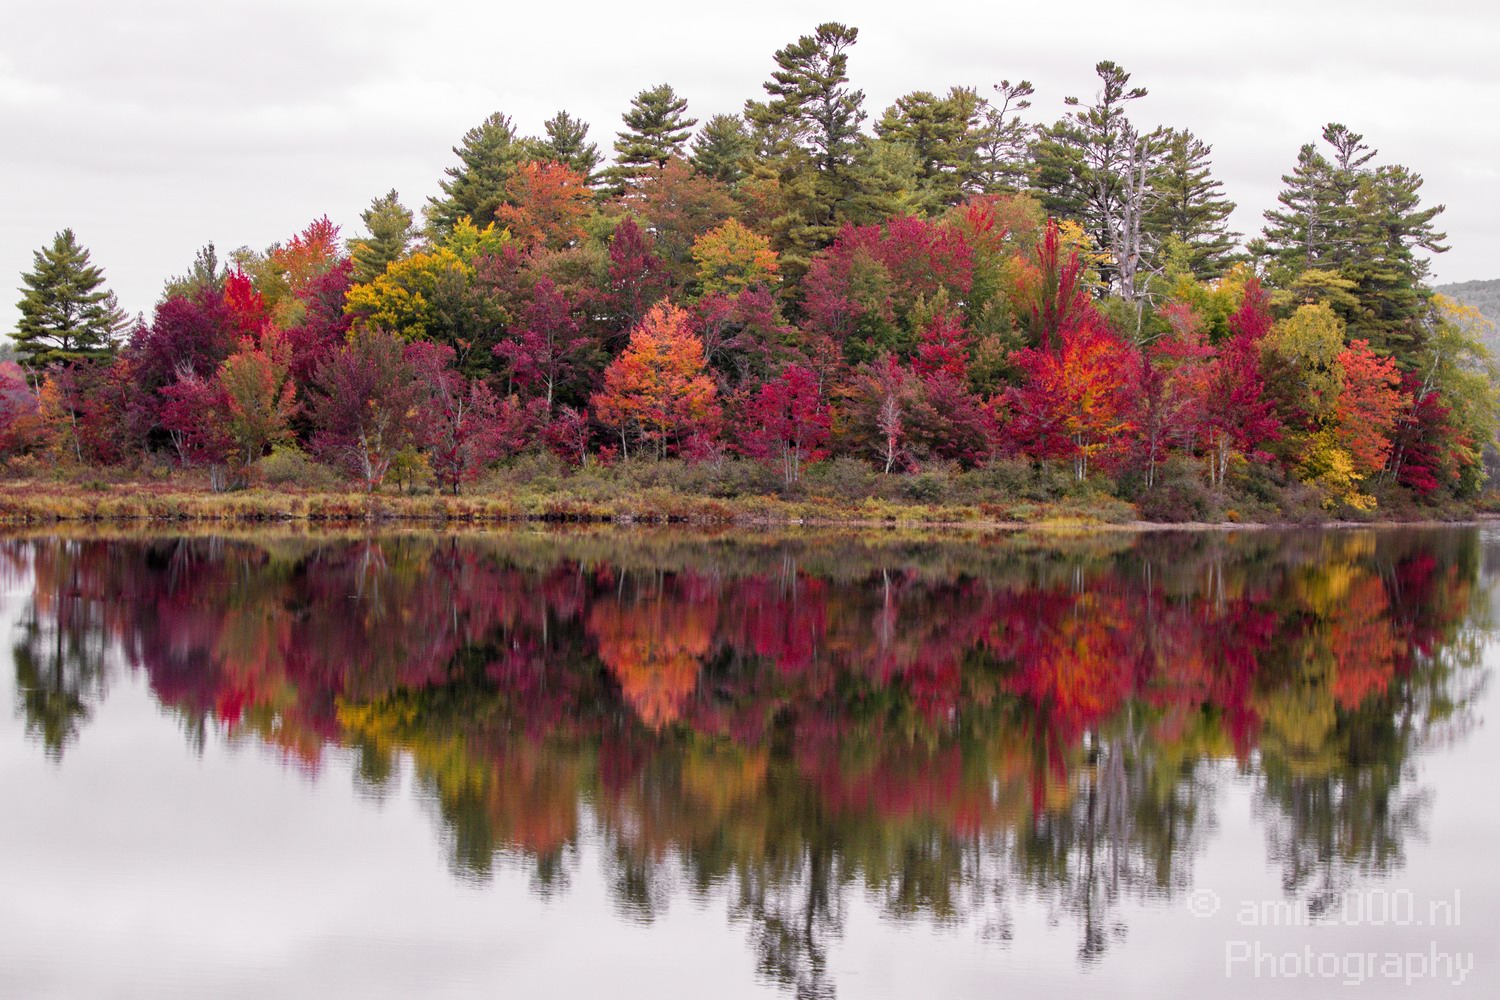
732 258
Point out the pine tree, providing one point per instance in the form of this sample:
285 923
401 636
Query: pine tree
943 134
1349 165
1056 173
656 128
487 155
206 273
1094 166
391 232
1347 233
1389 226
567 143
66 313
811 103
888 182
1293 238
721 148
1190 206
1314 228
810 123
1002 148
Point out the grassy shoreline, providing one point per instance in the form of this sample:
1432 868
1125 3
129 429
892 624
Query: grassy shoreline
51 503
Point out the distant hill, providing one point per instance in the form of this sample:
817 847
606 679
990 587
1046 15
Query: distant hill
1484 296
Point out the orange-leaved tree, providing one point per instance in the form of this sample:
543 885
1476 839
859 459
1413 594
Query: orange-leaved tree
1072 402
545 205
259 394
658 391
1368 406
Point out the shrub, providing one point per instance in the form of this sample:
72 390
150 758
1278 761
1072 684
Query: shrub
925 487
290 466
1022 479
1178 495
25 466
410 470
1176 503
540 470
841 479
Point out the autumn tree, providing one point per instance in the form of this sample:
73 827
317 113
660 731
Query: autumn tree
636 275
1453 403
196 333
545 204
877 402
786 422
1369 404
546 352
1054 297
1238 416
93 411
567 434
871 289
461 424
948 420
365 406
1166 393
742 333
433 295
657 392
195 414
20 414
680 205
323 324
259 395
1302 355
1072 402
731 259
284 273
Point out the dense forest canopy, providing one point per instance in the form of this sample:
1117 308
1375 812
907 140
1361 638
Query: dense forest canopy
943 283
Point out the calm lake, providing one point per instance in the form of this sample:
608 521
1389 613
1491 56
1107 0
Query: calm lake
537 763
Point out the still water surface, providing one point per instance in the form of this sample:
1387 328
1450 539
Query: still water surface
536 763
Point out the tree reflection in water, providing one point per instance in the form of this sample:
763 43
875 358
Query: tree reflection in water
946 727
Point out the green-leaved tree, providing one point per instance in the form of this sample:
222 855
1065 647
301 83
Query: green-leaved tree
656 129
488 154
67 314
391 233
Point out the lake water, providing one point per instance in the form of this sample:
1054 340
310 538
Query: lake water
540 763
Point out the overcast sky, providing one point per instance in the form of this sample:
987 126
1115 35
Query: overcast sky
154 126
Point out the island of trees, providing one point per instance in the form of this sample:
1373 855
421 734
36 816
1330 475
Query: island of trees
949 301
